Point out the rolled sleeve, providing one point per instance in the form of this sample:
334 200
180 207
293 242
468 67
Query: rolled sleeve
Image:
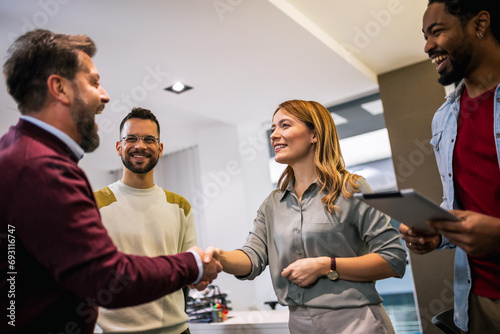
256 247
382 238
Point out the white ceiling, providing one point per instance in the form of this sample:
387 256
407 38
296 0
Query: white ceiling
243 57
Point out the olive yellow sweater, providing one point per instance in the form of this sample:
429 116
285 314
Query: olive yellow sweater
148 222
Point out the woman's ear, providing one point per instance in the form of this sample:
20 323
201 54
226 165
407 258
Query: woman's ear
314 139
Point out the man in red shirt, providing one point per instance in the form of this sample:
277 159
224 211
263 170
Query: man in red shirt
57 262
463 40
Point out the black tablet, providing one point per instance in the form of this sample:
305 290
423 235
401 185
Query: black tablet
408 207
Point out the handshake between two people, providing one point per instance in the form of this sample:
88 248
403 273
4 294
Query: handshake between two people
211 266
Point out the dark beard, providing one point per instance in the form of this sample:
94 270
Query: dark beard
90 139
461 60
85 125
139 170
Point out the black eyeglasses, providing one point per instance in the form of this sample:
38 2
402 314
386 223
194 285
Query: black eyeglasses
148 140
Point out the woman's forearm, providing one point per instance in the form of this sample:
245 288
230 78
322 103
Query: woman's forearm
366 268
235 262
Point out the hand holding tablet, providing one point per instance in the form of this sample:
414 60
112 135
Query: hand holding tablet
408 207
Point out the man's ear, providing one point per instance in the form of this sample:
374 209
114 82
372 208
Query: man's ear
482 22
160 150
119 148
59 88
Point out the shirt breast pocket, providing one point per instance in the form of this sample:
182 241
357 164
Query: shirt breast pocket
436 140
438 151
324 238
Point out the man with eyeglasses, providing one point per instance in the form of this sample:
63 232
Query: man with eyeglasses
144 219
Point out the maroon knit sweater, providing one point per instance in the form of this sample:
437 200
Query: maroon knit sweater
62 262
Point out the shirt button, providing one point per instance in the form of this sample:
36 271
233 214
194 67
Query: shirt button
299 252
300 295
449 174
452 140
498 135
297 230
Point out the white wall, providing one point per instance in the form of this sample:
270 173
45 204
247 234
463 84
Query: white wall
254 152
235 181
98 176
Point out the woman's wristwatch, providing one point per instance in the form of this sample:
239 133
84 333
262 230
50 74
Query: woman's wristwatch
333 275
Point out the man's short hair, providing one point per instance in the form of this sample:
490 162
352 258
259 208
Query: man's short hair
35 56
465 10
140 113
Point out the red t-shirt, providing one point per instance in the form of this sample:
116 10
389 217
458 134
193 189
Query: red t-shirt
477 181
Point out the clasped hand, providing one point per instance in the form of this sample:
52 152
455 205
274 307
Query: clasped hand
304 272
211 266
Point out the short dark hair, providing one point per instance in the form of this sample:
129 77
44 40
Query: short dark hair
464 10
36 55
141 113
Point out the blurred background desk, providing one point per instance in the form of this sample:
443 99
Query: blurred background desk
247 322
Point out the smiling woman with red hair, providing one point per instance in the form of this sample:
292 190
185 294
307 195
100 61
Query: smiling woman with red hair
325 249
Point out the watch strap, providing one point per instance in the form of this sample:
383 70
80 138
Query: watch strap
333 264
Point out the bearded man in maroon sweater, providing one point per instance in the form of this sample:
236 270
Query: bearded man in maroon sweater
57 262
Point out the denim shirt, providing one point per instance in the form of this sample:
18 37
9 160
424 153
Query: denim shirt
444 133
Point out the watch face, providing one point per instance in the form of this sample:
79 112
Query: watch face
332 275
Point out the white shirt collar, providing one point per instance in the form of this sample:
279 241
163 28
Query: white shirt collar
75 148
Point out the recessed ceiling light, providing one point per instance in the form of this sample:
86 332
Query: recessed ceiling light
374 107
337 119
178 88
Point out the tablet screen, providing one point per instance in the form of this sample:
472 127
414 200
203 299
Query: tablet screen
408 207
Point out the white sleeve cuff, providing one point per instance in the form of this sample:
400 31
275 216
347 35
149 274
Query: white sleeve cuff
200 266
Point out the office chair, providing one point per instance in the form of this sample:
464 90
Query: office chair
444 321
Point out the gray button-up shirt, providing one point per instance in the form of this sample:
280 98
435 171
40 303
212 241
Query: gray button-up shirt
285 231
